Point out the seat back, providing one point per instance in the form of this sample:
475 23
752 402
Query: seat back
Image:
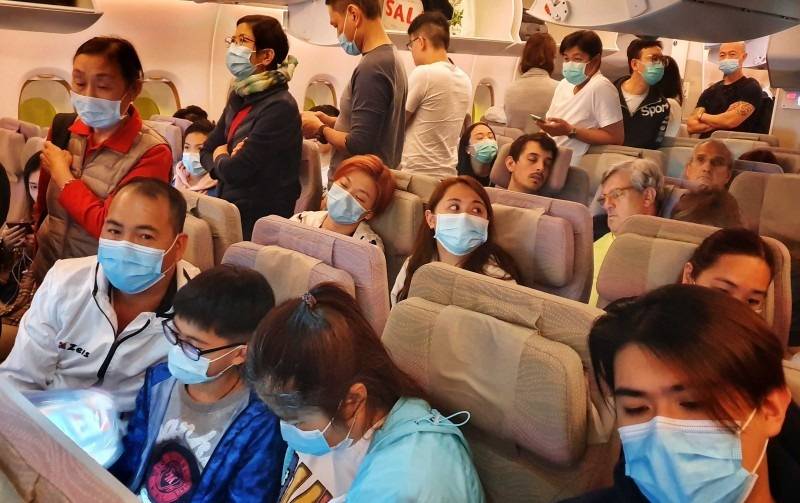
26 129
289 273
788 159
212 225
363 261
538 430
43 464
397 226
421 185
12 143
501 177
739 146
769 139
576 186
770 206
599 158
175 121
172 134
310 179
565 225
650 252
757 167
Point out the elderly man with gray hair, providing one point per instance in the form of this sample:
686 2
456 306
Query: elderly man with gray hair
710 167
629 188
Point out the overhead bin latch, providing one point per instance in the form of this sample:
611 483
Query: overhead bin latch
557 9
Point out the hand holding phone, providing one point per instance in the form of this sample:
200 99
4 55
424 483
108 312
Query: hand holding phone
537 118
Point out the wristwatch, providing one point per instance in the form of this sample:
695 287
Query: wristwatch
573 132
321 134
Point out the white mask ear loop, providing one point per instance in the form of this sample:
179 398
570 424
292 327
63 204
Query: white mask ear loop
766 443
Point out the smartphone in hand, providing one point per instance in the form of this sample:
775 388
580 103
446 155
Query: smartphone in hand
537 118
28 226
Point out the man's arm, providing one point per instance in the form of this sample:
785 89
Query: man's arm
731 118
693 123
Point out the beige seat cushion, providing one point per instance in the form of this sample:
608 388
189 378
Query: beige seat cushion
739 146
200 246
421 185
222 217
650 252
183 124
599 158
173 134
363 261
289 273
501 177
769 139
517 360
310 179
26 129
757 167
676 159
789 161
397 226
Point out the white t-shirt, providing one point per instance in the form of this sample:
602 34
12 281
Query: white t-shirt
439 99
317 218
633 101
595 106
675 116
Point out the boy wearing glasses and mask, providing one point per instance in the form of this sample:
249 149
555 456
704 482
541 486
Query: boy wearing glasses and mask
198 433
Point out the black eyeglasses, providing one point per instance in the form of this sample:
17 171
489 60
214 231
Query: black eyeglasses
173 337
410 43
240 40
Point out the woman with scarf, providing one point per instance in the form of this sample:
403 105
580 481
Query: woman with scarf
254 151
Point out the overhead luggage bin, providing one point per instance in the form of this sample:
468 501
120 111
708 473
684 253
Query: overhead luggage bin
734 19
31 16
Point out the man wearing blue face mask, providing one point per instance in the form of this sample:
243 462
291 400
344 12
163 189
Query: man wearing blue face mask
646 113
372 108
196 424
96 321
732 103
585 109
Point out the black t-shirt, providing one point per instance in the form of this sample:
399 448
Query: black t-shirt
719 97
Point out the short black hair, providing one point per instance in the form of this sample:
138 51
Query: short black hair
443 6
269 34
118 51
329 110
230 300
585 40
191 113
370 8
545 143
156 189
637 45
435 26
203 126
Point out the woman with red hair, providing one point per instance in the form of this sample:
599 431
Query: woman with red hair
362 190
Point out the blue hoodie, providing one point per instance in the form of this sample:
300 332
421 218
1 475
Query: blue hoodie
244 465
417 456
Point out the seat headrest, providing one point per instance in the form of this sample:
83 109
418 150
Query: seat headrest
11 145
739 147
183 124
310 179
223 219
200 245
534 395
398 224
771 140
542 246
501 177
32 147
421 185
289 273
757 167
26 129
172 134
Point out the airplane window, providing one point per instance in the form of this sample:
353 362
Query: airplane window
484 98
159 97
319 92
41 98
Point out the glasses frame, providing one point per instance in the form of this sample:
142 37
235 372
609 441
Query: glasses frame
621 190
238 41
411 42
193 353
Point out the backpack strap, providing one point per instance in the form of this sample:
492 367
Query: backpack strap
59 131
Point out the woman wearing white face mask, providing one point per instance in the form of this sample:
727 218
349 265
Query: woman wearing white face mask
354 422
254 151
458 230
90 157
361 191
585 109
702 405
189 172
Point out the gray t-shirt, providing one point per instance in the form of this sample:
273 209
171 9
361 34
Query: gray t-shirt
372 108
186 439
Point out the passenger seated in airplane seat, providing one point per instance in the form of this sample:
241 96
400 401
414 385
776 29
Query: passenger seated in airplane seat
356 424
533 91
439 96
710 167
362 190
191 113
646 112
96 321
196 412
103 149
585 109
189 172
672 89
372 119
731 104
530 161
735 261
458 230
628 188
716 208
477 151
702 405
255 149
759 155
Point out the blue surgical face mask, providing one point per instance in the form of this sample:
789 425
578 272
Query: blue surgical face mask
687 460
313 442
191 161
728 66
349 46
461 234
188 371
574 72
343 208
97 113
131 268
237 59
484 151
653 73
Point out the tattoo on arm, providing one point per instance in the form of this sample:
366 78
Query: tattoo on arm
743 108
